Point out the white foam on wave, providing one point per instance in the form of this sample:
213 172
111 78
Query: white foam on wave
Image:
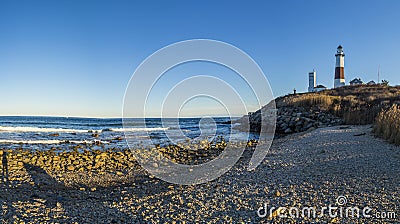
50 142
137 129
36 129
66 130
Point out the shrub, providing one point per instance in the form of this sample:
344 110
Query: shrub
387 124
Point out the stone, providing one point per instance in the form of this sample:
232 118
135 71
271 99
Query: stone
70 168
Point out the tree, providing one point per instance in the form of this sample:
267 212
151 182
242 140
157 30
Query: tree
385 82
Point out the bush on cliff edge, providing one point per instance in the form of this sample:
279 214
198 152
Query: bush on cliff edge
387 124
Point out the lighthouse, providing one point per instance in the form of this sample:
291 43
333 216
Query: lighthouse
339 70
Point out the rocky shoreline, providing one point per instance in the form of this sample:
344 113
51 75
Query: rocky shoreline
298 119
87 162
346 161
290 120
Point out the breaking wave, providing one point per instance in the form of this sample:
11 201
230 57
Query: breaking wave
65 130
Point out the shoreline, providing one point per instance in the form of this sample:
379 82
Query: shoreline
311 168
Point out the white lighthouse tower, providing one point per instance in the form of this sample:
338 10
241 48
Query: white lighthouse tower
339 70
312 81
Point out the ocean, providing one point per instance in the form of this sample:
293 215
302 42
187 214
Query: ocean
43 133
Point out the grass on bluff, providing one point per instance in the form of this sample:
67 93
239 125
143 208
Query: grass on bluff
387 124
358 104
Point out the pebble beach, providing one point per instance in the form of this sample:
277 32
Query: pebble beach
312 168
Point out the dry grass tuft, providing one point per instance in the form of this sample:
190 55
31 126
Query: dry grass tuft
324 102
387 124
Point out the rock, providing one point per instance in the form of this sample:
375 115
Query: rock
312 129
70 168
288 131
345 127
308 126
118 138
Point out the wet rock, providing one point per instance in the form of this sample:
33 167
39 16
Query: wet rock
288 131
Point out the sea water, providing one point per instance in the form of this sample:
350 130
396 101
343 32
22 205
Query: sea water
42 133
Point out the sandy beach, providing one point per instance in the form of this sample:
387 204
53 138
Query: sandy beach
311 169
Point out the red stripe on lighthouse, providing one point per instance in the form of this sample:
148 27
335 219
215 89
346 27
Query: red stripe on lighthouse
339 73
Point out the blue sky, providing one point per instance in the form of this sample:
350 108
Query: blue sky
75 58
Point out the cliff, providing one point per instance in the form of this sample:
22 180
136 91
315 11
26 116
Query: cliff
345 105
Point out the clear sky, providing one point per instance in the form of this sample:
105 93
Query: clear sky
75 58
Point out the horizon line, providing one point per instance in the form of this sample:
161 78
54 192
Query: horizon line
63 116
